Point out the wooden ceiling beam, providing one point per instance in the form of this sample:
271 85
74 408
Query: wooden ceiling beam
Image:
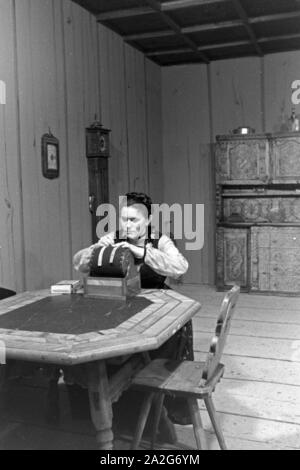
244 17
275 17
212 26
156 6
186 30
282 37
167 6
179 4
119 14
223 45
208 47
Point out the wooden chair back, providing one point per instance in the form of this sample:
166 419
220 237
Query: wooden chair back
222 330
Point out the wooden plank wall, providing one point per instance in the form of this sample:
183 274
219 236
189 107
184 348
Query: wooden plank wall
11 240
62 70
187 157
281 70
131 106
201 102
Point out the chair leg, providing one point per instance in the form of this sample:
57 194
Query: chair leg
159 401
215 422
142 420
197 424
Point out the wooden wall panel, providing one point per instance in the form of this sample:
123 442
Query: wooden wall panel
154 130
136 120
11 230
45 210
63 71
281 70
113 109
80 110
188 178
236 95
131 108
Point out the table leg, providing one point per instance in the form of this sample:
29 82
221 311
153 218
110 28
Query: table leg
100 404
52 408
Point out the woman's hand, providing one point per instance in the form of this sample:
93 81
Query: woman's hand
106 240
82 259
137 251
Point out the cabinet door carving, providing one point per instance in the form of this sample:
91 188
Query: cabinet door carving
262 210
242 161
285 160
275 259
232 257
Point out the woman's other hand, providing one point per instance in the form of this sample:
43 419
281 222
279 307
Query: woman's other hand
82 259
106 240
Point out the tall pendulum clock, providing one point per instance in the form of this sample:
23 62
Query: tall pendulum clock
97 153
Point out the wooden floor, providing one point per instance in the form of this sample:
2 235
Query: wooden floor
258 400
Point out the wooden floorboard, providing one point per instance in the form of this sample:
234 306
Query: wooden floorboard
251 328
258 399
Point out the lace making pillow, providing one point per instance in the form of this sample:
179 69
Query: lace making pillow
111 261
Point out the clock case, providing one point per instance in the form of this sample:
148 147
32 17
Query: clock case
97 141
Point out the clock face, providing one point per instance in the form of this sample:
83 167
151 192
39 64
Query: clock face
97 144
102 144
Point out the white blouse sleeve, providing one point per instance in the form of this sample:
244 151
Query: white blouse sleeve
82 258
166 259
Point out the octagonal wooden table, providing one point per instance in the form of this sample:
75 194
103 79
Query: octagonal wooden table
82 334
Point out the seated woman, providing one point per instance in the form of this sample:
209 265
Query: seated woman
158 258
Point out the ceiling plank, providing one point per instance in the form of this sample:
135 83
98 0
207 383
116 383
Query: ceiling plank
244 17
156 6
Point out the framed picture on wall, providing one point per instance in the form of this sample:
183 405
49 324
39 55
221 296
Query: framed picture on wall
50 156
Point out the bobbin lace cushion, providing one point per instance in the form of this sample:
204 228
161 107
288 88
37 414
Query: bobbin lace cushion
110 261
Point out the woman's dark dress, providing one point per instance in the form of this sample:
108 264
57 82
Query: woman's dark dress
179 347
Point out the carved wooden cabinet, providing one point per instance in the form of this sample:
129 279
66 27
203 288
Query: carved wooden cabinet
258 212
